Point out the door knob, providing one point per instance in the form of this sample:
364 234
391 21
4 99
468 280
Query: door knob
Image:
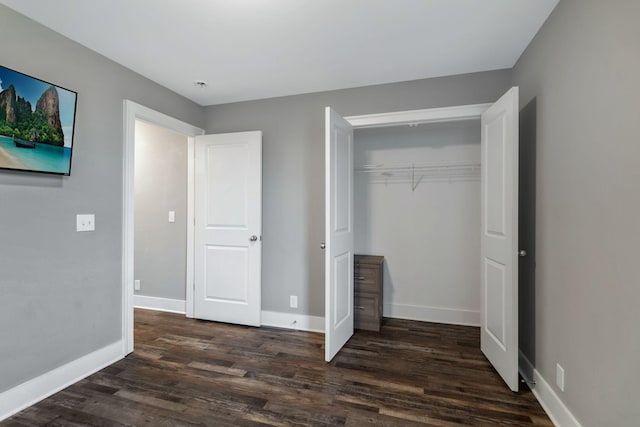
522 252
322 245
253 238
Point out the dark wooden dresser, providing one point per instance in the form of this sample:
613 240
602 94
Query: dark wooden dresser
367 289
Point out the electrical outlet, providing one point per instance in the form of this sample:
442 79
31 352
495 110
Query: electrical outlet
293 301
136 285
560 377
85 222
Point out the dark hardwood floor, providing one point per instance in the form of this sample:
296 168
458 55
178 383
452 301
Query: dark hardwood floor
190 372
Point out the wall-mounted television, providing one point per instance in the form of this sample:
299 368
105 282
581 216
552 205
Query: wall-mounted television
37 121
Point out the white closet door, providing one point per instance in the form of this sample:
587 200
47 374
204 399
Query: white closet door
499 246
228 226
339 233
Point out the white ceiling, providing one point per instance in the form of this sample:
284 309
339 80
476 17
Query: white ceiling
252 49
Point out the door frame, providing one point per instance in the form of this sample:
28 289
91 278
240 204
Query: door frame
133 112
428 115
399 118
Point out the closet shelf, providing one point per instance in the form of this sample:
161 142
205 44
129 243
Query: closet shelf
415 173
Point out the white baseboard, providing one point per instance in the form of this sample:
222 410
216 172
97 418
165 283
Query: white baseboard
160 304
301 322
559 414
30 392
451 316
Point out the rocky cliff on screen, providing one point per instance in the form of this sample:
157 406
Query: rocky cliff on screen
18 118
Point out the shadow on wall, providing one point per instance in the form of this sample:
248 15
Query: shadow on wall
30 179
527 234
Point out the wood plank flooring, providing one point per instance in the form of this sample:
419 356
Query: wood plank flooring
187 372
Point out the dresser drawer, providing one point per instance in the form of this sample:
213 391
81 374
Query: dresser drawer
367 278
366 311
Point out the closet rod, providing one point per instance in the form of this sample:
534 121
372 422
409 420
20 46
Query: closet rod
415 173
373 168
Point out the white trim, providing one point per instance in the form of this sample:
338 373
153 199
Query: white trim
300 322
451 316
555 408
159 304
430 115
133 112
191 144
34 390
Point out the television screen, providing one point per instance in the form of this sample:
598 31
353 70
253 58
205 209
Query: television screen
36 124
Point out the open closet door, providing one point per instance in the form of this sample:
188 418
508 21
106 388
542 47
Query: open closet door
499 246
228 226
339 233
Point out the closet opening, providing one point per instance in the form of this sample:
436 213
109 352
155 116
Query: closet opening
417 204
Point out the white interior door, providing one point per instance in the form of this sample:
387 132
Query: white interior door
228 227
339 233
499 247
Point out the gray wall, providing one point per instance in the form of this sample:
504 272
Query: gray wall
582 73
293 168
60 291
160 246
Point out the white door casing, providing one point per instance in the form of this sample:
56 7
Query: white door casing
228 227
499 235
339 233
132 113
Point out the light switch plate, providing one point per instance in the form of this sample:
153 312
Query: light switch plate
85 222
172 216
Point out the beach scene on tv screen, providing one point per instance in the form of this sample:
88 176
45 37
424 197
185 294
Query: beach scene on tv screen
36 124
